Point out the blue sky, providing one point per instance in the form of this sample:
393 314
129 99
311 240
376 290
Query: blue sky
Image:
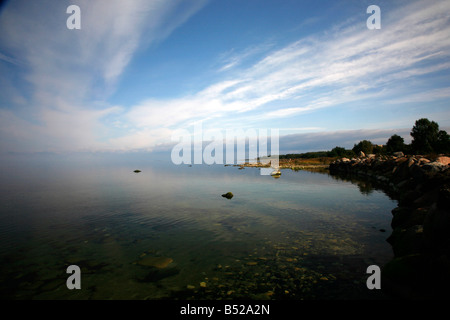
138 70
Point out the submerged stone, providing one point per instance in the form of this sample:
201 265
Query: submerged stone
228 195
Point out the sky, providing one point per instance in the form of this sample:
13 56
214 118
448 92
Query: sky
139 70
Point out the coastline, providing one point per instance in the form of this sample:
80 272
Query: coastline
420 236
315 164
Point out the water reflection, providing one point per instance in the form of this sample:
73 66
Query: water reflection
304 235
366 185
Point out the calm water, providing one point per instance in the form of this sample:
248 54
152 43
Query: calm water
166 232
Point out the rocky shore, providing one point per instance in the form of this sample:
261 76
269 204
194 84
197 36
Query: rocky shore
420 224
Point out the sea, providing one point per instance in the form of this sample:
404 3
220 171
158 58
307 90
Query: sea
167 233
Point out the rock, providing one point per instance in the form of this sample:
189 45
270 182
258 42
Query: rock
403 270
408 217
443 160
427 199
137 171
416 277
433 167
436 226
406 241
411 161
404 184
398 154
157 262
423 160
361 154
420 224
444 197
228 195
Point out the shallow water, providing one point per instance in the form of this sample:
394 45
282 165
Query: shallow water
302 236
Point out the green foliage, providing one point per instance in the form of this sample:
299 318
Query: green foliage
365 146
443 143
379 149
395 143
335 152
307 155
340 152
427 138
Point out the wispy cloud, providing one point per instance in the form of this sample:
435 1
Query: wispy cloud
68 73
347 64
233 58
71 73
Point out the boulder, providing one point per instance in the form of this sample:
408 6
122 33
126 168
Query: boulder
433 167
406 241
444 197
443 160
423 160
228 195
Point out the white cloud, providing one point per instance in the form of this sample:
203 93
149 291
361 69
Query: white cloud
69 70
320 71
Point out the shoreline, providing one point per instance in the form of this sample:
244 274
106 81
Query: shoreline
314 165
420 223
420 237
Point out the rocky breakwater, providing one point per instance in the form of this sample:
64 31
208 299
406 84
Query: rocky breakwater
420 235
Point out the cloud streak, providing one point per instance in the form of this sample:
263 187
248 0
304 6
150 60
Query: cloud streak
347 64
68 74
72 73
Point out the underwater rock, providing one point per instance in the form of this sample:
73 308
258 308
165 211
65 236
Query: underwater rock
228 195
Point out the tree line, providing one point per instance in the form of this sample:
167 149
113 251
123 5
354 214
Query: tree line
427 138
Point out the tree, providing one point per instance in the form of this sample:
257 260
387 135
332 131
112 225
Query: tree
365 146
425 136
443 143
379 149
395 143
338 152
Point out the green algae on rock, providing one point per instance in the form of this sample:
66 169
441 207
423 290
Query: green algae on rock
228 195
